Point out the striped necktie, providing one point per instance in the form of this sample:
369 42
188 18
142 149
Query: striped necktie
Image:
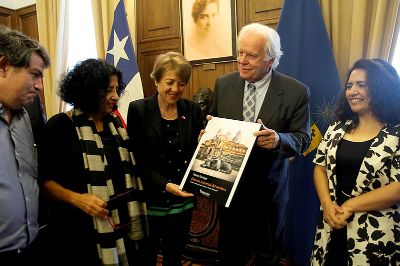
249 104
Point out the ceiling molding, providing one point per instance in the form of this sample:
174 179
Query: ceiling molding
16 4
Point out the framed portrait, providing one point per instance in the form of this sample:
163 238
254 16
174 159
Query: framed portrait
209 30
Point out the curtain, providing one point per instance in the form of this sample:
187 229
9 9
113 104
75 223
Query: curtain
359 29
103 15
396 36
53 35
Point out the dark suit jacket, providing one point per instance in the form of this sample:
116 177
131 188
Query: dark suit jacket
149 144
37 117
263 186
38 122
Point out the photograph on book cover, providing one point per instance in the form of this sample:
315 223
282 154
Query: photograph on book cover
220 158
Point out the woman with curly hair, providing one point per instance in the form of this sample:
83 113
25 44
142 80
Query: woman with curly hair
87 171
357 172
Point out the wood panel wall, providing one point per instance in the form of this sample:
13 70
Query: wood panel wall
26 21
159 31
6 17
23 19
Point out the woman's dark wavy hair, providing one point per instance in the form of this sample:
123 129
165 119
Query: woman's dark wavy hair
383 84
85 85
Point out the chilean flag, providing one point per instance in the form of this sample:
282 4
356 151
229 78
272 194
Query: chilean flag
121 54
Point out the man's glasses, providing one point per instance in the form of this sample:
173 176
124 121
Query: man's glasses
117 226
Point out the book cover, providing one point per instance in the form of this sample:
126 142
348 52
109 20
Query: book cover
220 158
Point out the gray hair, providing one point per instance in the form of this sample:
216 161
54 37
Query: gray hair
272 44
18 48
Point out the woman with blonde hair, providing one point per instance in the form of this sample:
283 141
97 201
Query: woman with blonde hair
164 129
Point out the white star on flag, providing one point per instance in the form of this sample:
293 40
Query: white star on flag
118 50
123 48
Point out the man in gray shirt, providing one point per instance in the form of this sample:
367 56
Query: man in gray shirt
22 63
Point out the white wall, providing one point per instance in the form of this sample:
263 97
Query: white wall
15 4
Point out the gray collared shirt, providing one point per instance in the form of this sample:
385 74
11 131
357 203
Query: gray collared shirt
19 190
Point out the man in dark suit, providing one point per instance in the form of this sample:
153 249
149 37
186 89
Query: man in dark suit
252 227
37 117
38 120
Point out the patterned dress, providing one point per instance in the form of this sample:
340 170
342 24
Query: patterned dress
373 237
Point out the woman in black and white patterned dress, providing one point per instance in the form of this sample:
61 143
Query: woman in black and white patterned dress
357 172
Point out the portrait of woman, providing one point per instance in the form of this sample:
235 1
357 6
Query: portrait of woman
86 169
207 28
357 172
164 129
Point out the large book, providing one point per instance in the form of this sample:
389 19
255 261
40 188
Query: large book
220 158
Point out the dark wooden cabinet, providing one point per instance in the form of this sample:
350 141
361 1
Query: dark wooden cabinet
26 21
158 32
6 17
23 19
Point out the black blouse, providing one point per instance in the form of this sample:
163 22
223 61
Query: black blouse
173 151
349 157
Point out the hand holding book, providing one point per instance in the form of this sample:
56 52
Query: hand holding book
267 138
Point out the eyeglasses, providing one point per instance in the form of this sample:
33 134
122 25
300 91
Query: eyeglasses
115 202
118 200
117 226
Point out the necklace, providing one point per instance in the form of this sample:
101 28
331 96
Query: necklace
165 116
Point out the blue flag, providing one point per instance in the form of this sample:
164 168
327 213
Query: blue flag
121 54
308 58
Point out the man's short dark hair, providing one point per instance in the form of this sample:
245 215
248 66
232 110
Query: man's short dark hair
18 48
